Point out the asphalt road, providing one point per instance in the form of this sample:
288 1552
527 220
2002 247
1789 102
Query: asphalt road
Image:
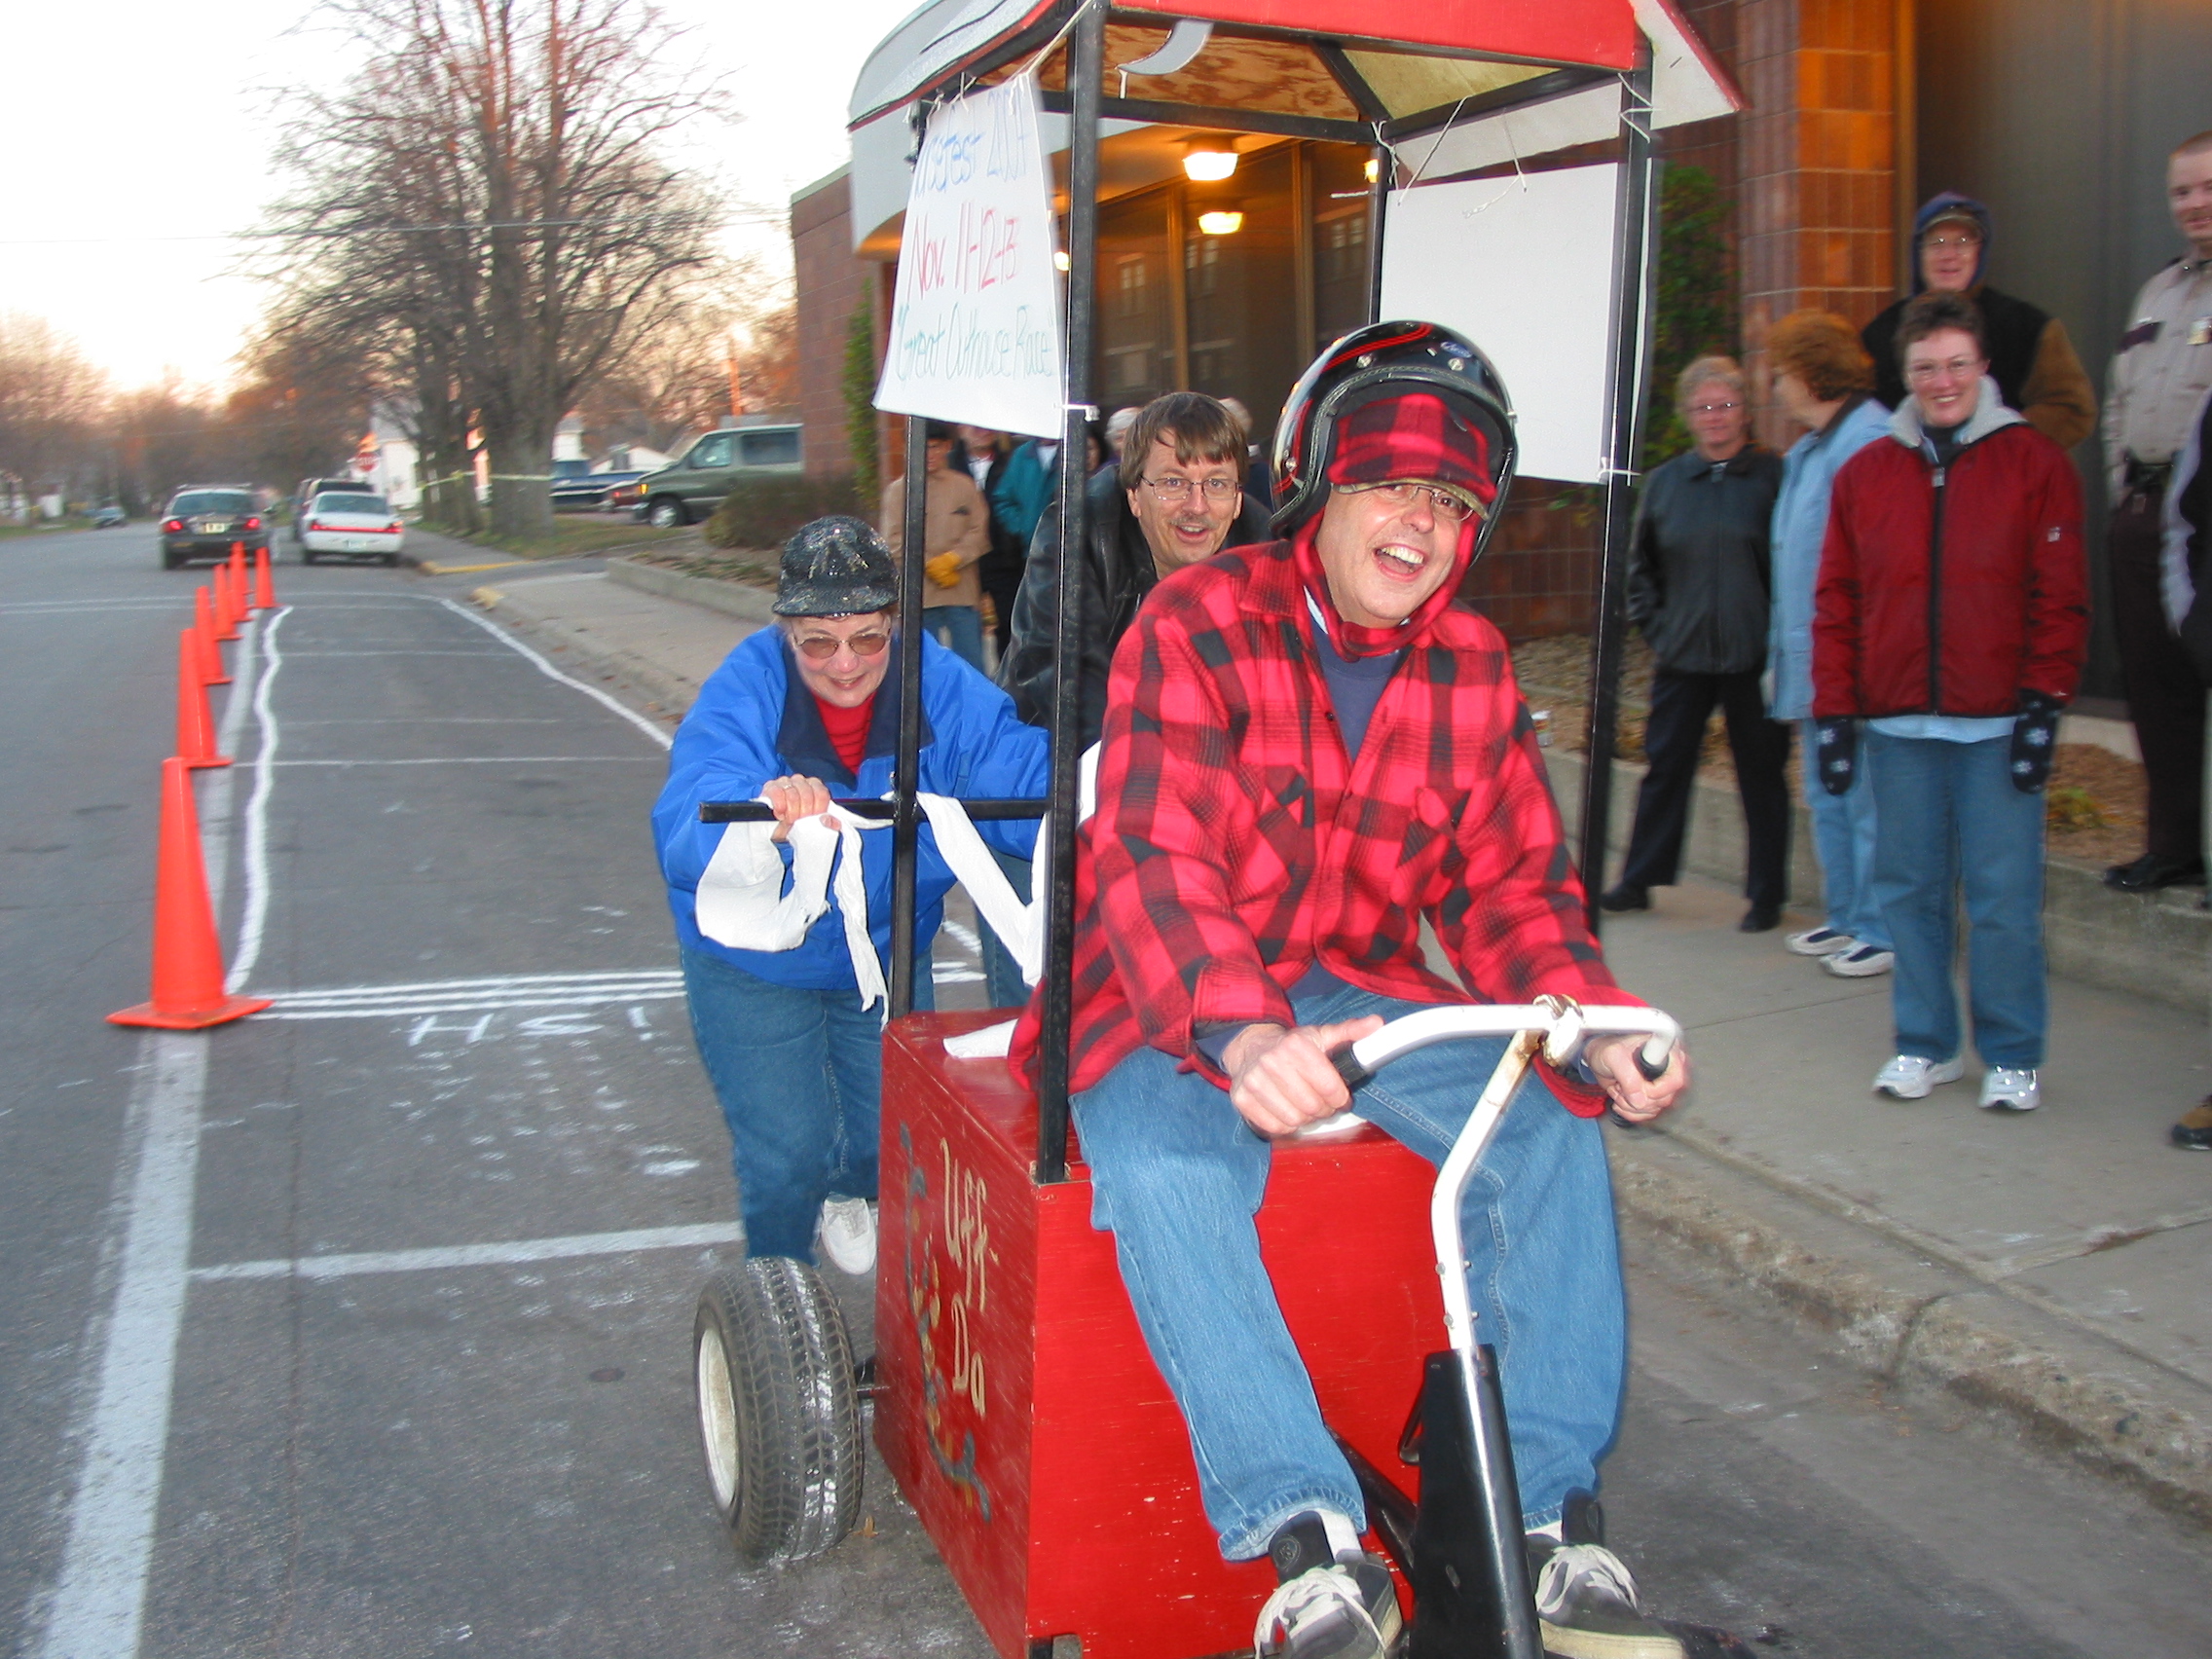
361 1327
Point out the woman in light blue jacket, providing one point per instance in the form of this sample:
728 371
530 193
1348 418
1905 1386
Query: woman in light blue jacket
1823 380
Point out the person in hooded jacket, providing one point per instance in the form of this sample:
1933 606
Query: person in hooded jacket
2033 361
1824 382
1311 748
1952 617
801 711
1698 589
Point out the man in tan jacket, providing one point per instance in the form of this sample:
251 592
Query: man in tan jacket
956 532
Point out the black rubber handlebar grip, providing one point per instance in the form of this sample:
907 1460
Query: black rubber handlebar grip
1357 1076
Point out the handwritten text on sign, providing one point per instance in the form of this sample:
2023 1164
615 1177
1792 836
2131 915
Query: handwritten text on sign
975 324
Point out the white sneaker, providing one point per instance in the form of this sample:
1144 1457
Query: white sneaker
1820 941
846 1235
1909 1076
2011 1088
1860 962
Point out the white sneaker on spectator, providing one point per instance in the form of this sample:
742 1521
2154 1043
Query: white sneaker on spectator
846 1235
1860 962
1909 1076
2011 1088
1823 940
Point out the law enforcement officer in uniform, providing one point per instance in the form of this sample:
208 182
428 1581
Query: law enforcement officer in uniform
2159 376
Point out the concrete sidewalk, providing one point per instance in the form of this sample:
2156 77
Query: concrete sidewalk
2051 1270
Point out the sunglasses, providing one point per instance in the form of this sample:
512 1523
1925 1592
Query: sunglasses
821 648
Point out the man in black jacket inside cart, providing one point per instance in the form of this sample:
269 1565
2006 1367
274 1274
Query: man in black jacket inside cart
1700 576
1177 498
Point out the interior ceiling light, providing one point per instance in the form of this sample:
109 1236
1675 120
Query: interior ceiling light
1208 161
1374 169
1059 261
1221 224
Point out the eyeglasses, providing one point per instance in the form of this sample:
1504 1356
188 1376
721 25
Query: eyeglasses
1715 408
1951 242
821 648
1444 502
1958 368
1217 490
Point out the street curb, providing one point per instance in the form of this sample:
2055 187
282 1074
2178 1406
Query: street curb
733 598
663 692
1909 1320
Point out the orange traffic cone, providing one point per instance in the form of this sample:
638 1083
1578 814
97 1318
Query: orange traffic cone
238 575
263 595
194 725
210 653
226 614
188 958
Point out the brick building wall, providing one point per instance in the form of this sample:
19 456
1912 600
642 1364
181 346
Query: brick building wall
829 283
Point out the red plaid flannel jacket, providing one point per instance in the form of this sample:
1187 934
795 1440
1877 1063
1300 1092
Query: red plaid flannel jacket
1235 845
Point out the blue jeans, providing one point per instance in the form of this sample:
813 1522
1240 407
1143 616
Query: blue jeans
1843 838
1936 800
959 628
800 1075
1177 1177
1002 975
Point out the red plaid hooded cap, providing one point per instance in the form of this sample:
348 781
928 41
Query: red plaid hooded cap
1410 438
1415 437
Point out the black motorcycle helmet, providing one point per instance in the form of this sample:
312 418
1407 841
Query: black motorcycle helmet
1384 359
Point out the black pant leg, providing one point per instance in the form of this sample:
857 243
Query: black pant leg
1761 748
1680 705
2166 698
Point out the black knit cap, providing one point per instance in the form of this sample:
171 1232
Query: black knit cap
835 566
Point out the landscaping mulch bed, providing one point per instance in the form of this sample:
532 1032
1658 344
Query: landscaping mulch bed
753 566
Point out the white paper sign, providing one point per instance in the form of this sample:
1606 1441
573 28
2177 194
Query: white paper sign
976 322
1523 269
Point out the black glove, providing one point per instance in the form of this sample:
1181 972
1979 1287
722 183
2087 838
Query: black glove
1837 756
2035 740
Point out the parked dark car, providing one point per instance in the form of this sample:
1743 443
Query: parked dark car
584 492
203 520
109 516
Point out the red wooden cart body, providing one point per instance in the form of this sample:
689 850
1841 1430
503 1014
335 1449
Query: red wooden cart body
1021 1414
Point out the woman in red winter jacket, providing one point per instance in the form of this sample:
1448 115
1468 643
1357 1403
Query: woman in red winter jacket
1952 618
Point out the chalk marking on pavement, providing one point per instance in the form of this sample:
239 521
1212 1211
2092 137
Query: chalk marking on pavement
550 672
478 1255
256 917
481 761
98 1600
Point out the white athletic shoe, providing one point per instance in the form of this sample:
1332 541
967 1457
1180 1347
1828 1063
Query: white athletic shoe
1860 962
1821 940
2011 1088
1909 1076
846 1235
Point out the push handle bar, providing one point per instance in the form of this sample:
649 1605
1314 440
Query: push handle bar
1563 1025
759 812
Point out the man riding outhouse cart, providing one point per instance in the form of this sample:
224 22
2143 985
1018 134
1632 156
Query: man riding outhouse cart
1018 1407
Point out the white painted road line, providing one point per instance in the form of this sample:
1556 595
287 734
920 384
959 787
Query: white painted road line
547 669
99 1598
484 760
703 1236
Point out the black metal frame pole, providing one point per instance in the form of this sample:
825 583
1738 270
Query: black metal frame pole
1635 203
1378 214
905 832
1086 67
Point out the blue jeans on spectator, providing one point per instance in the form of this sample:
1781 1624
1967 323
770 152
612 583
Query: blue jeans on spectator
1843 838
1935 799
1002 975
800 1076
959 628
1177 1177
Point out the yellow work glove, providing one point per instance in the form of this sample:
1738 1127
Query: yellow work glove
944 569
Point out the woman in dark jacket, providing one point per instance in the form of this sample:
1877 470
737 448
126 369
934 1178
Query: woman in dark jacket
1699 586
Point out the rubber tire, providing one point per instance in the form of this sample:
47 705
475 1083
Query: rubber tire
666 513
391 560
306 555
171 562
779 1413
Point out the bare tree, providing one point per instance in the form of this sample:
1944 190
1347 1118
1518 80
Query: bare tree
673 378
50 401
487 200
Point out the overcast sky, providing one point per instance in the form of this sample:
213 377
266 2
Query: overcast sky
145 120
